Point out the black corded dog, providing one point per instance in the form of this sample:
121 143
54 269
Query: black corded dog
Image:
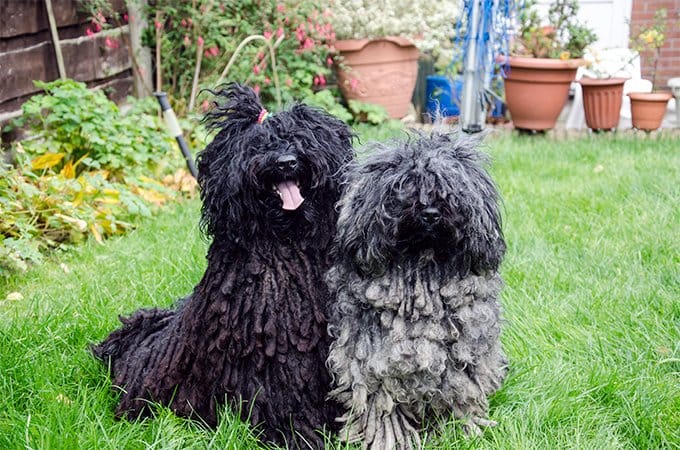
253 332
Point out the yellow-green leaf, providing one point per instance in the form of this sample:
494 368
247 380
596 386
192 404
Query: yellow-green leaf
79 223
95 232
47 160
69 170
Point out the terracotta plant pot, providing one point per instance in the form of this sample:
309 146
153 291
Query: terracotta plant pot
536 90
648 109
602 100
380 71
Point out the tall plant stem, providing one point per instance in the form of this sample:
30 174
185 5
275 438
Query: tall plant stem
271 47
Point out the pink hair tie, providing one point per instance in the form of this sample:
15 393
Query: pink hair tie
263 115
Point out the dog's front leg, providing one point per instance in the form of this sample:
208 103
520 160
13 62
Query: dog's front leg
383 425
473 427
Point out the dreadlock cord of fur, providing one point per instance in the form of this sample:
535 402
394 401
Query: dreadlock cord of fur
416 321
253 333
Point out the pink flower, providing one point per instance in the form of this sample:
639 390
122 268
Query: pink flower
158 25
322 80
308 43
329 61
125 17
353 83
211 51
186 40
280 8
256 88
100 17
205 106
183 22
300 33
279 32
200 41
289 82
89 32
111 43
260 55
97 27
316 80
267 34
267 81
256 69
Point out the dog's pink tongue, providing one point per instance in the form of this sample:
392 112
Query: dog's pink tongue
290 194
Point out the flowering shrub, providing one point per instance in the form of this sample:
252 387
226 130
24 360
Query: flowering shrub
219 27
616 62
429 24
649 39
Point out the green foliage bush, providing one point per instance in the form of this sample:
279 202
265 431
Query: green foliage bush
90 170
84 130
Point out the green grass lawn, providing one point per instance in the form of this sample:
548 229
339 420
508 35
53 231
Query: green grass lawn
592 310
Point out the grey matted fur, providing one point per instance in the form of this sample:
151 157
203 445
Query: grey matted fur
416 322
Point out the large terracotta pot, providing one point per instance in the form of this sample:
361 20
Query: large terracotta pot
536 90
380 71
648 109
602 100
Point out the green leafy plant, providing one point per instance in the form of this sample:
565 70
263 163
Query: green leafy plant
563 37
326 100
90 170
80 129
368 112
52 211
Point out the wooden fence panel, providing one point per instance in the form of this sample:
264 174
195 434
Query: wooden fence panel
27 51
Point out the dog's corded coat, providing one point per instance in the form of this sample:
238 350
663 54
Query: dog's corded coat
253 333
416 320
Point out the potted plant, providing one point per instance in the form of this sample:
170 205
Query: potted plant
379 44
649 108
602 86
543 63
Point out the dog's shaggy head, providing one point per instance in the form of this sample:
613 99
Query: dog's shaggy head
427 198
270 175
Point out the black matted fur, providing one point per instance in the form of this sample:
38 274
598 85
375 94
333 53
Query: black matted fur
253 332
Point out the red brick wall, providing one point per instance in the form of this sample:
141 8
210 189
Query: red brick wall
669 61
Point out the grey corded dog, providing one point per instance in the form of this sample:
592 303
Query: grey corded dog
416 322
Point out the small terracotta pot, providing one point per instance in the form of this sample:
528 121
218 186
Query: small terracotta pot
536 90
648 109
602 100
380 71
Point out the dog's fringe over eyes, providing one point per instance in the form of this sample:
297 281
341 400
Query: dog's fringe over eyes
416 320
253 333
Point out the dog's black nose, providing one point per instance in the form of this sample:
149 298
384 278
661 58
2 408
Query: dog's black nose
286 163
430 215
